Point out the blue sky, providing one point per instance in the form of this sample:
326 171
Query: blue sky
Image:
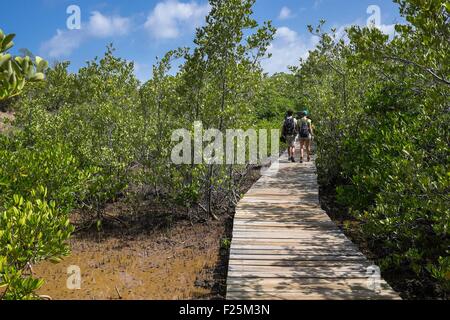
144 29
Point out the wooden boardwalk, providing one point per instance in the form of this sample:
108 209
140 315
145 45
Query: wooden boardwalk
285 246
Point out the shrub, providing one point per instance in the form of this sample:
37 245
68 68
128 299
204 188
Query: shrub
30 231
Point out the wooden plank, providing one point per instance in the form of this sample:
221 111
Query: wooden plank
294 247
290 174
305 295
278 191
326 272
279 184
295 257
297 234
293 224
301 263
279 201
277 197
297 231
280 208
308 286
268 219
297 214
326 226
288 224
293 187
299 252
304 233
293 213
305 229
311 246
286 183
282 242
291 269
240 219
271 283
291 197
274 284
279 235
304 217
277 238
285 246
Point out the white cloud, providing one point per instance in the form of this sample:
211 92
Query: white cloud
99 26
63 43
103 26
286 49
170 18
285 13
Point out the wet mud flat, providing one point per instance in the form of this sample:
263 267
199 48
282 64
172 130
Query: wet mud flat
185 261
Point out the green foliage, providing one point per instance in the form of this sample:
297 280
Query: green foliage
217 84
225 244
277 95
16 71
94 115
22 168
50 95
30 231
32 227
382 129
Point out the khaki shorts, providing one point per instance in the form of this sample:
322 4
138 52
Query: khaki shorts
290 140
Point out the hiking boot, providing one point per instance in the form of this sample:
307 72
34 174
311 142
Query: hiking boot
293 159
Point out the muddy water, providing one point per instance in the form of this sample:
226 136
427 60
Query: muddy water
159 266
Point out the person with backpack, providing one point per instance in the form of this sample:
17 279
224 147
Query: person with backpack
306 133
289 134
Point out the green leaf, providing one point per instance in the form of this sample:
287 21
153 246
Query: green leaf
7 42
4 59
41 64
37 77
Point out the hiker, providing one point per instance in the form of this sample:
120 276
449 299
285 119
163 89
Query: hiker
289 133
306 133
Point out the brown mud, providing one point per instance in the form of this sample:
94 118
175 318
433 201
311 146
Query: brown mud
178 263
153 258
